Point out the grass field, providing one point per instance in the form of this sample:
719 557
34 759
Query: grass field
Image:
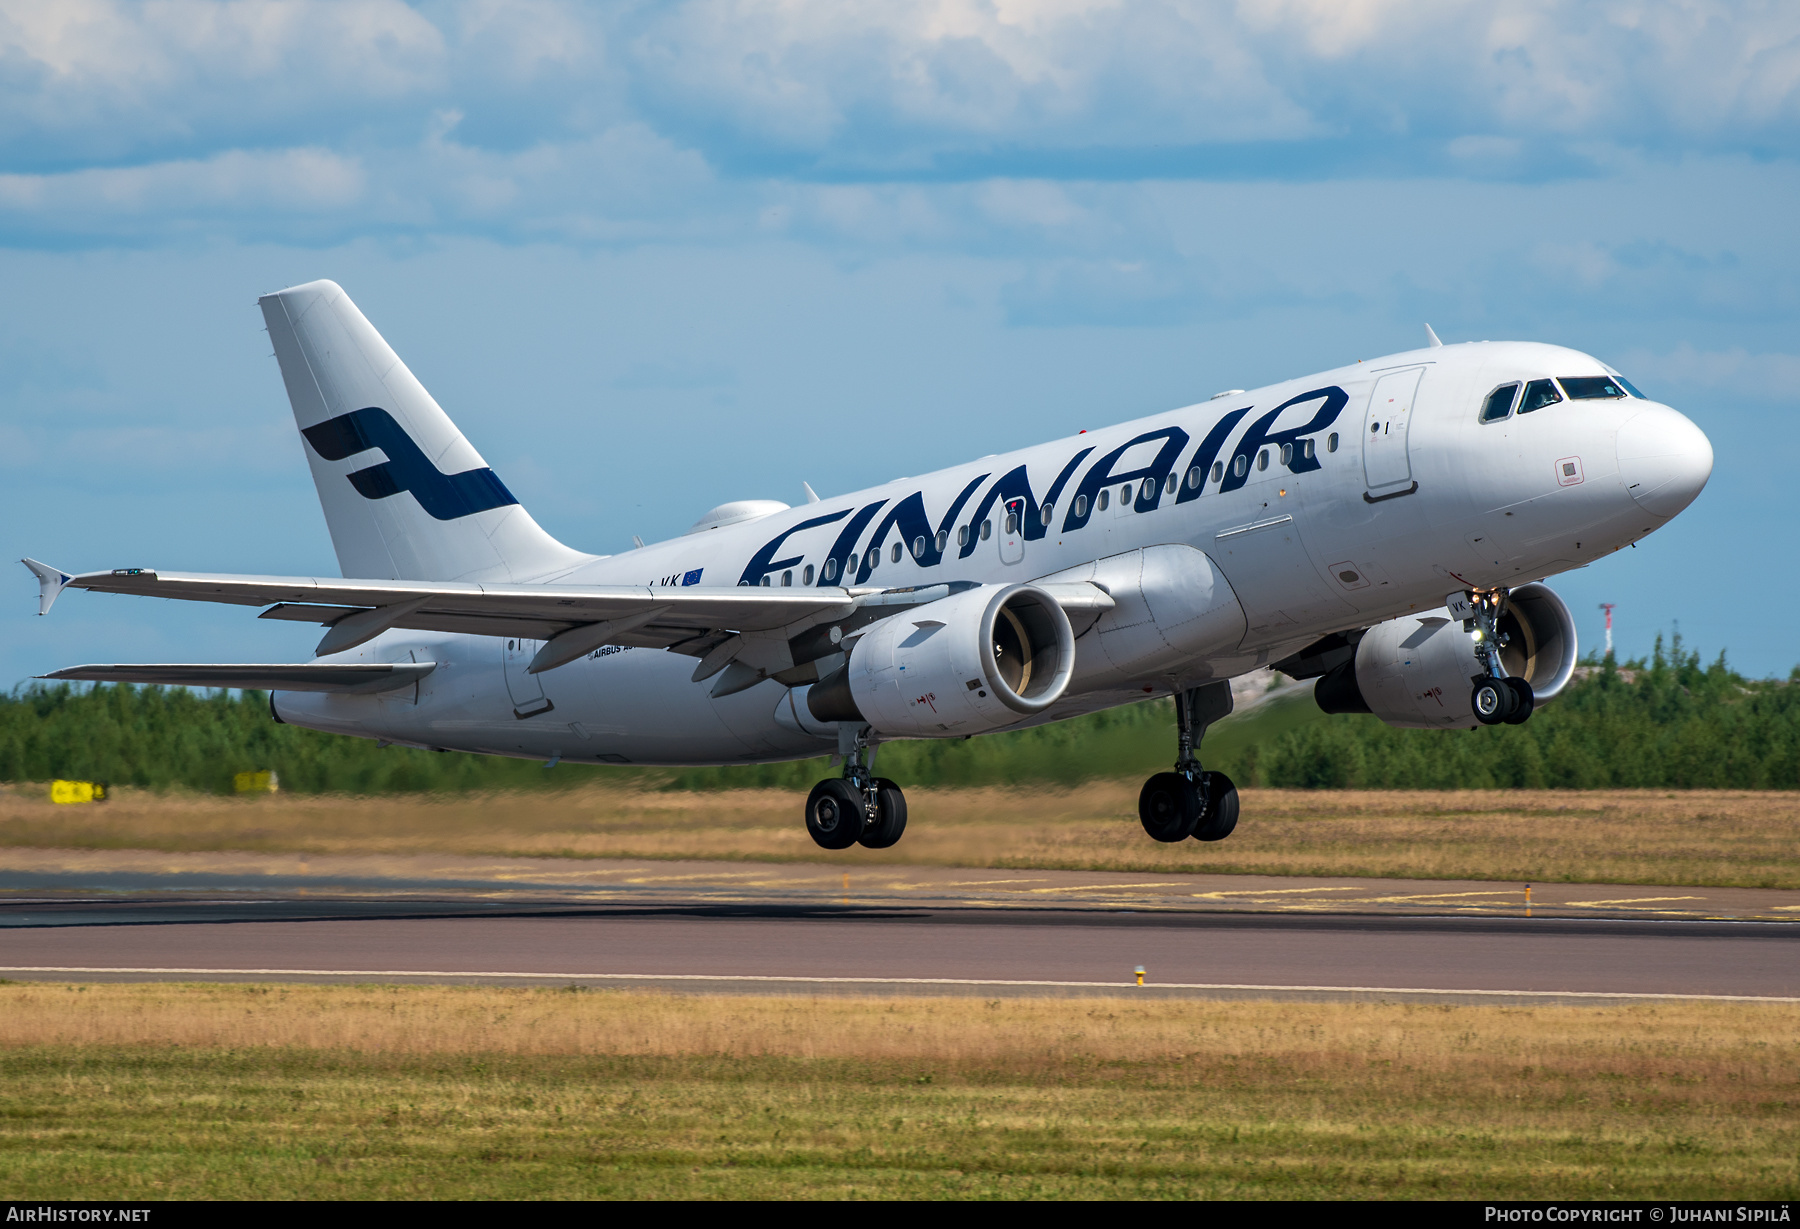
310 1091
1701 837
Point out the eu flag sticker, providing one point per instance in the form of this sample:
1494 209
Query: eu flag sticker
692 578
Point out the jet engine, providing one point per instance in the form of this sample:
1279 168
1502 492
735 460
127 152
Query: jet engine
1418 671
964 664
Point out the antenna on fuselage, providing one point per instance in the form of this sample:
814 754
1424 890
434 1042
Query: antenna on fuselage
812 496
1433 339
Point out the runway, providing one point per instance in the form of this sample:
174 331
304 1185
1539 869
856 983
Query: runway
835 948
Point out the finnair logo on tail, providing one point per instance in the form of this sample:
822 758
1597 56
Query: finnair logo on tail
445 496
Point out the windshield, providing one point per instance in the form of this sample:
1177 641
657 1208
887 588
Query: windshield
1591 388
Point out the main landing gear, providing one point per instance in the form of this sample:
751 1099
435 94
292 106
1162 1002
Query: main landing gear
857 808
1190 801
1498 697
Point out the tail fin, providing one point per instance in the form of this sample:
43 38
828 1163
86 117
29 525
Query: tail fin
432 509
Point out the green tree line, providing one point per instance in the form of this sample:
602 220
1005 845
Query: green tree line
1675 724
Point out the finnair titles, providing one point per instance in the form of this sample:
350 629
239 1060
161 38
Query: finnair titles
1384 528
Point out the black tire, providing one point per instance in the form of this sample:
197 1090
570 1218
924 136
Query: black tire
1168 807
1524 701
1493 701
889 823
1221 807
835 816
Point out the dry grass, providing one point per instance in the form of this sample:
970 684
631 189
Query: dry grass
312 1091
1702 838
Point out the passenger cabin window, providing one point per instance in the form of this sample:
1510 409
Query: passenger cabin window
1241 465
962 535
1218 470
787 579
1170 483
1331 442
1262 459
831 567
1080 506
943 540
806 577
894 554
1499 403
1287 454
1591 388
1046 514
1538 394
1105 499
987 530
1195 478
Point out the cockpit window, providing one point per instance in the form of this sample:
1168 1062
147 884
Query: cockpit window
1629 387
1591 388
1499 403
1538 394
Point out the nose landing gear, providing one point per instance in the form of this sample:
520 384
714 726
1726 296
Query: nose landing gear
1498 697
1191 802
857 808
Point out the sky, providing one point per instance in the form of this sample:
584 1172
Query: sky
654 257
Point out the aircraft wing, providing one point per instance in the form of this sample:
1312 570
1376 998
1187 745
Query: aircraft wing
311 676
633 614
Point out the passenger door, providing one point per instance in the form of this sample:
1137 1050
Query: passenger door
1386 468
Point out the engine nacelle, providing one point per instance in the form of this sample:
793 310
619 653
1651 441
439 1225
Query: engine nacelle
964 664
1418 671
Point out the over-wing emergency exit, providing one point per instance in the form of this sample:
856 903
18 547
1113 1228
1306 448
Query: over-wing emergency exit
1384 528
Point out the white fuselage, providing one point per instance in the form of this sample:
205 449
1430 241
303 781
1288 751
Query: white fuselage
1374 494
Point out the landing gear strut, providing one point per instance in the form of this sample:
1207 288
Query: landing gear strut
858 807
1498 697
1191 801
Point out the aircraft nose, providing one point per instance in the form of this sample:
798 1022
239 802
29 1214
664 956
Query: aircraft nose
1664 460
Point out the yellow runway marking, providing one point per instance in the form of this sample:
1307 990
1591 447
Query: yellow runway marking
1268 892
1109 887
1636 900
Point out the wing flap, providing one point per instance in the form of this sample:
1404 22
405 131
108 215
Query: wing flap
305 676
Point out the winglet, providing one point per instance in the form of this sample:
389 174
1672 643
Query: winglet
1433 338
51 582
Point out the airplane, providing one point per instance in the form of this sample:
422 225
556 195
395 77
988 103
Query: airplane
1383 528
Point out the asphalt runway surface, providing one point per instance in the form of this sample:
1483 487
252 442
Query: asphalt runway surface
823 948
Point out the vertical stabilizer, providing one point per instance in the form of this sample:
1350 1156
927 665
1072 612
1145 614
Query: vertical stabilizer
405 495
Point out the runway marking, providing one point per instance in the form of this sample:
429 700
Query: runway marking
1389 900
1110 887
1271 892
1636 900
907 981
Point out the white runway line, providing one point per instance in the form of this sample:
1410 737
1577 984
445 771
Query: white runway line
903 981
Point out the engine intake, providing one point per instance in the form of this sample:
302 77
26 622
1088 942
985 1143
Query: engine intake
965 664
1417 671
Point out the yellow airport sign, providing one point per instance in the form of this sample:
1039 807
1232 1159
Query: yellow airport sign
256 783
77 791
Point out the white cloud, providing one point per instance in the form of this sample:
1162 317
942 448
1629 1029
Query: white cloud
286 181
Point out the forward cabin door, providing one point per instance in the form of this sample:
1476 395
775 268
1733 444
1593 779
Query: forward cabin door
1386 467
526 690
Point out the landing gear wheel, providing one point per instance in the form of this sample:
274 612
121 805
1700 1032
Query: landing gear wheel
1493 701
835 815
890 816
1168 807
1525 701
1220 799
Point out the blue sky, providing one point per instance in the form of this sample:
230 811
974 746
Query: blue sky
655 257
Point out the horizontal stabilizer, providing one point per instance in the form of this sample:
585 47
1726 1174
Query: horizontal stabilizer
308 676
